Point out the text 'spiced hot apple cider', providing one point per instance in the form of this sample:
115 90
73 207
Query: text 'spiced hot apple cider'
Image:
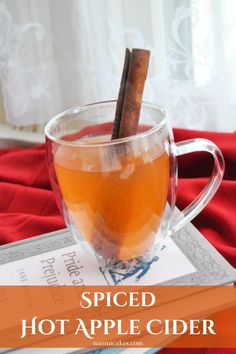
114 196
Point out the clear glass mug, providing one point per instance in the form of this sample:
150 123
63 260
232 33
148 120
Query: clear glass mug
119 195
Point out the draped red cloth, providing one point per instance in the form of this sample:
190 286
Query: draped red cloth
28 207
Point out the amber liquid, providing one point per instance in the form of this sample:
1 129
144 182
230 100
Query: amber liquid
117 209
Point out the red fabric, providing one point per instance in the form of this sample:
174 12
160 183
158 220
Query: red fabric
28 208
27 204
217 222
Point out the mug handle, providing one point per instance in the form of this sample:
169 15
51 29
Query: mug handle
193 209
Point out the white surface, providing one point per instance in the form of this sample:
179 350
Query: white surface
10 136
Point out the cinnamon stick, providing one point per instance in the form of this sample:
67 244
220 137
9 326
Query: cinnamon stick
121 95
130 94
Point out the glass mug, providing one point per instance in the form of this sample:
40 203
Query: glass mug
119 195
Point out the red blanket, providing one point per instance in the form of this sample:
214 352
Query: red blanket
28 208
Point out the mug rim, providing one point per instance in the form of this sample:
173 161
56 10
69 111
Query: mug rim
85 143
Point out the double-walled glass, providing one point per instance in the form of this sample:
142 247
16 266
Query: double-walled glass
119 195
